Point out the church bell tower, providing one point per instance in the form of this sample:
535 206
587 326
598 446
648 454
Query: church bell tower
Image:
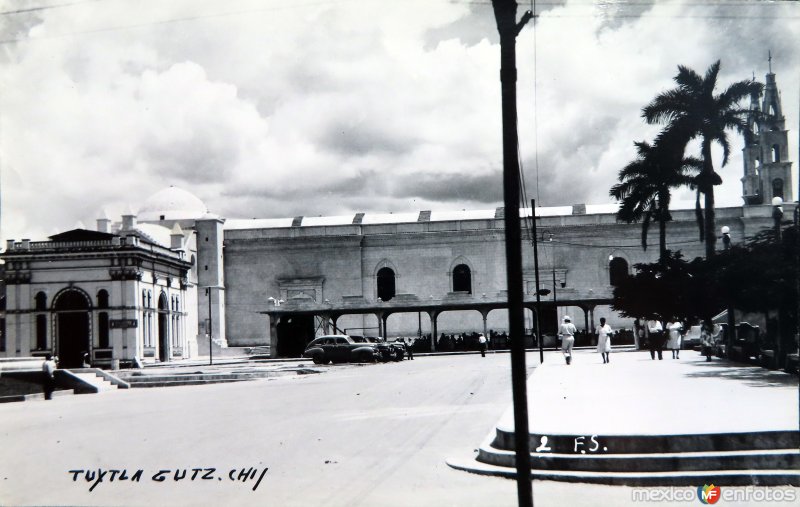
767 169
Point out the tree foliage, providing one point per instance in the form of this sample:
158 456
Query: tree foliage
644 190
692 110
759 276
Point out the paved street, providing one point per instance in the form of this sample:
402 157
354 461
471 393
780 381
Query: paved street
354 435
375 435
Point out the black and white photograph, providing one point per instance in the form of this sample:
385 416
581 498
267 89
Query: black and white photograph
399 253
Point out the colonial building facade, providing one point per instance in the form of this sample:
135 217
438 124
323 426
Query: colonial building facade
172 280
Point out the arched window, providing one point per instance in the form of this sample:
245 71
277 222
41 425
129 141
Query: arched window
462 279
617 270
41 332
386 290
776 153
41 321
41 301
72 300
102 331
102 299
777 188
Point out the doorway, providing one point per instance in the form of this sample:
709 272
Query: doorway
293 334
163 329
72 325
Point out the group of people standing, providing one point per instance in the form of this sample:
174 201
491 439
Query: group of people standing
659 336
567 333
656 338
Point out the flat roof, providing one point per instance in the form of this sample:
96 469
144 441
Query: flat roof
377 218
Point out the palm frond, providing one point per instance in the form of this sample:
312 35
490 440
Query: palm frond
688 78
710 79
737 91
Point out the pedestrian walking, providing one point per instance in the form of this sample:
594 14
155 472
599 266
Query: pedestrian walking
674 342
410 348
708 335
482 345
604 333
655 339
567 334
49 374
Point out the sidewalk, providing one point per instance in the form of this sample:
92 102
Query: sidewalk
635 395
638 421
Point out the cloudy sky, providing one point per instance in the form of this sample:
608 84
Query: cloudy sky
266 108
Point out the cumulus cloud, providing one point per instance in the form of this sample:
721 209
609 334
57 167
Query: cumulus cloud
271 109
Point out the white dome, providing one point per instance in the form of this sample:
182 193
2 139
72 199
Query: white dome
171 203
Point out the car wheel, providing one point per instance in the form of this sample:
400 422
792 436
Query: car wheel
398 355
318 359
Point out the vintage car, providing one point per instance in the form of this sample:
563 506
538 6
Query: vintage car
387 351
339 349
402 345
692 338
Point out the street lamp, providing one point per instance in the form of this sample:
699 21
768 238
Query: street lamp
278 302
730 335
777 215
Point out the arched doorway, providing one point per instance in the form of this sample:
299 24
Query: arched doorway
163 328
617 271
462 279
72 325
386 287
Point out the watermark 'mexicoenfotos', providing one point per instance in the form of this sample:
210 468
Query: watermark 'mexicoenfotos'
709 494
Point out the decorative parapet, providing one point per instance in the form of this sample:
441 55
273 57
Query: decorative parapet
405 297
125 273
578 209
17 277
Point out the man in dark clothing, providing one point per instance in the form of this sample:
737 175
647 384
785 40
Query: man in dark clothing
655 339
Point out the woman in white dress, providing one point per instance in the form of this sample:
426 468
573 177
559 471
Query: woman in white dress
674 342
604 333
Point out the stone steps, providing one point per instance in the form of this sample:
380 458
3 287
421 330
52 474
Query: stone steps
691 478
644 444
778 459
182 382
757 458
200 378
95 380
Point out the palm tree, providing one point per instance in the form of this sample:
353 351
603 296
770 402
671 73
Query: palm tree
644 188
692 110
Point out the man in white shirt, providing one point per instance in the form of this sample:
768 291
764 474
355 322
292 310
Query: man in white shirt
567 333
48 372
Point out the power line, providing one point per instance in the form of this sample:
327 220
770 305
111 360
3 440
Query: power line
323 2
46 7
169 20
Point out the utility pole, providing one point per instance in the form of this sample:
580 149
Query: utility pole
536 271
505 12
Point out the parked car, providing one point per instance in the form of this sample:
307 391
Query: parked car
400 348
339 349
692 338
386 351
